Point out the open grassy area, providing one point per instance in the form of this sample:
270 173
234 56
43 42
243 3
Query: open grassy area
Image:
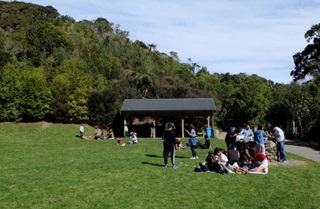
45 166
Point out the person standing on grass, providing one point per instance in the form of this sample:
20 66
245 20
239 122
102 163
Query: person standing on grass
247 132
192 141
259 137
230 137
81 130
153 129
126 130
278 135
169 140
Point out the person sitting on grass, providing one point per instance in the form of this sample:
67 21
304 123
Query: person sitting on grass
246 159
233 155
216 161
222 158
206 144
209 163
110 134
133 138
179 144
261 165
97 134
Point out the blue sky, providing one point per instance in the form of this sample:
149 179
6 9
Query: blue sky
247 36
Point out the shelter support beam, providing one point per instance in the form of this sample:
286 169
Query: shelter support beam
182 128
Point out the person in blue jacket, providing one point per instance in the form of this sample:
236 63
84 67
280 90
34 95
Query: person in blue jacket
259 137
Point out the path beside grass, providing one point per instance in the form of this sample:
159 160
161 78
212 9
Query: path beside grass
303 151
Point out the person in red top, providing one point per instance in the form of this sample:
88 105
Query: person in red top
262 161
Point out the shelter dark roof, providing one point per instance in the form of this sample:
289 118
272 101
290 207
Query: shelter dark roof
185 106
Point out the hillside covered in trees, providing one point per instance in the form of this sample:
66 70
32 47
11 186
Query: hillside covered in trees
56 69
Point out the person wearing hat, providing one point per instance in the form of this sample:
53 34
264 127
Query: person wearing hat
168 140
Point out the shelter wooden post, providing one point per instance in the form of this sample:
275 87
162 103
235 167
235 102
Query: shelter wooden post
182 128
155 128
212 123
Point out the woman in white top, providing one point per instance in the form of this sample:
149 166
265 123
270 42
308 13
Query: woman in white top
221 162
192 141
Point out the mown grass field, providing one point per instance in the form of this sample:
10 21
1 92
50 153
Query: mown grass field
45 166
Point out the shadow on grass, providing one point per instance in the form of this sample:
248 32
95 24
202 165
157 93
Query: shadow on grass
152 155
154 164
157 156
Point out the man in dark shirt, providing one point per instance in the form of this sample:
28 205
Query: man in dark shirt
169 139
233 155
206 144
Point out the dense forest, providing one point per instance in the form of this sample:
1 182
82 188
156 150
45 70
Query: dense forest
56 69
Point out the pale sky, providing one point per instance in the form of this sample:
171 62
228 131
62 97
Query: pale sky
235 36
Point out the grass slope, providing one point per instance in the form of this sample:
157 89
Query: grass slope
46 166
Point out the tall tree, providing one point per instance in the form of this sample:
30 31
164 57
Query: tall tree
10 84
307 62
35 96
301 105
103 107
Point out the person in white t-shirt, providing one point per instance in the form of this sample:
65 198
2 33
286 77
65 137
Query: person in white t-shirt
278 135
81 130
133 138
222 158
221 162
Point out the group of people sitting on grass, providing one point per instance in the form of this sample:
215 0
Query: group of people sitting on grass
98 134
232 161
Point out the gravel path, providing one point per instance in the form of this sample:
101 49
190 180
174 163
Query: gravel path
303 151
295 148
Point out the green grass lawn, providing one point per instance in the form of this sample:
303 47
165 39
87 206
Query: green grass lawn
46 166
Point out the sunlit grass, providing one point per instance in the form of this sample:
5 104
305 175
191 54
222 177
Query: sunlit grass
46 166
